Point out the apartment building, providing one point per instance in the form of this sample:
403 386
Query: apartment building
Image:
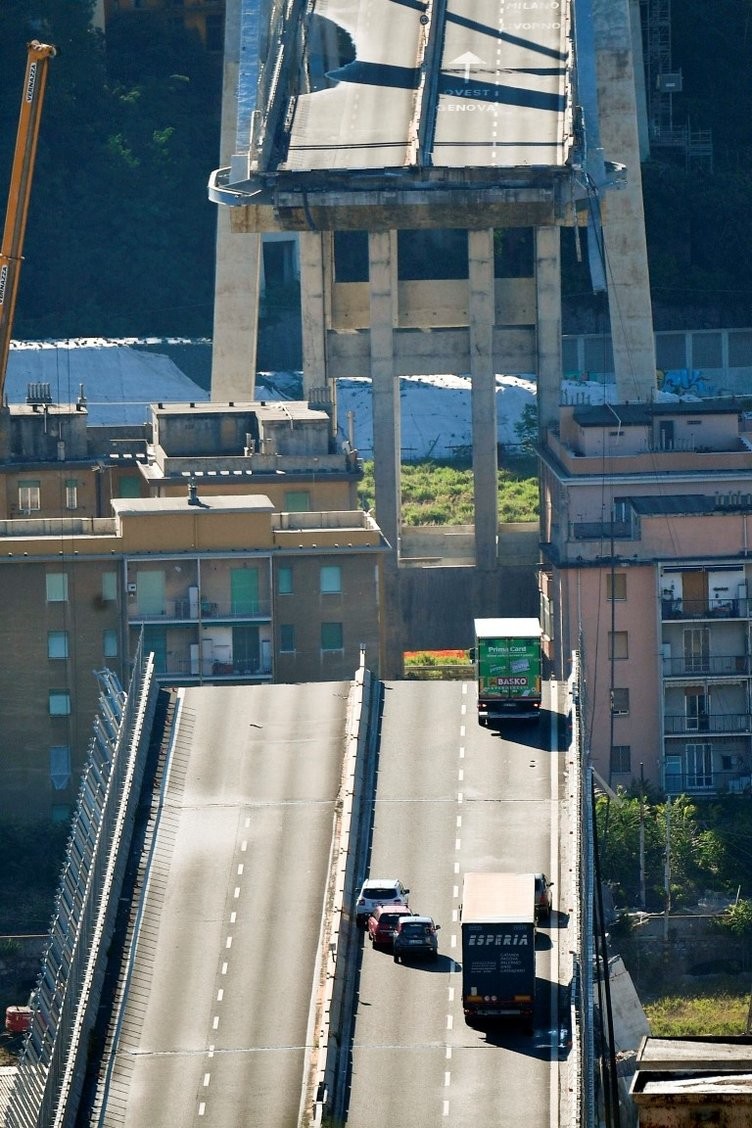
249 564
647 569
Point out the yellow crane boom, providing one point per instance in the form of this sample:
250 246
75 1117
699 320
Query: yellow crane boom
24 155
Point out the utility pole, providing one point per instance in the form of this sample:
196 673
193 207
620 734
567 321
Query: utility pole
643 898
667 870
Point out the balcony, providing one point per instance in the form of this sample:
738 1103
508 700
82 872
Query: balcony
704 609
193 611
712 665
709 783
678 724
184 668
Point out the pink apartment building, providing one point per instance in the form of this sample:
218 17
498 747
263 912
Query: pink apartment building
646 524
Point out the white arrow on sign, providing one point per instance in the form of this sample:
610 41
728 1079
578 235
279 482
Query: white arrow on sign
467 60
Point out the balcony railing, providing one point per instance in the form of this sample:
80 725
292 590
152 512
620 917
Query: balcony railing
708 783
705 608
680 725
189 611
712 665
185 669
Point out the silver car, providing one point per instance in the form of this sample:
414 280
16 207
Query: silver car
378 891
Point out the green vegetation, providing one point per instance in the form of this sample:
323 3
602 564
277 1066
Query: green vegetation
710 843
441 493
719 1008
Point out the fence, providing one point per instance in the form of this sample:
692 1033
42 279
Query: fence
64 1004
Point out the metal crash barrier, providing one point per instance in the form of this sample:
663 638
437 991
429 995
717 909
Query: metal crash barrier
47 1087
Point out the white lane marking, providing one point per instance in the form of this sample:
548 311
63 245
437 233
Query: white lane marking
201 1108
215 1022
243 846
455 916
461 775
463 708
211 1051
455 891
233 918
240 870
447 1079
451 994
459 798
224 968
453 940
458 843
248 820
207 1079
449 1053
445 1109
456 867
462 753
220 994
228 942
450 1021
459 821
236 894
462 730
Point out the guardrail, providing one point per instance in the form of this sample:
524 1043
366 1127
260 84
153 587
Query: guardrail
51 1069
325 1077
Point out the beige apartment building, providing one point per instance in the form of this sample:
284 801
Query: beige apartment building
249 561
647 571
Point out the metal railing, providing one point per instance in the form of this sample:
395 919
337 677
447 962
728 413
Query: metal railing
709 783
705 608
185 610
678 724
51 1069
710 665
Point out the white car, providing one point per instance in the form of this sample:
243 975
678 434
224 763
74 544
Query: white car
378 891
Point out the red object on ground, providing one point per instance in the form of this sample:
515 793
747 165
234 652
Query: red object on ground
17 1019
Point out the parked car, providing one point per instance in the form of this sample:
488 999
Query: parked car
383 923
379 891
542 897
416 936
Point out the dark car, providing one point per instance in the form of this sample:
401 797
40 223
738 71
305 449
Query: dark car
383 923
542 897
416 936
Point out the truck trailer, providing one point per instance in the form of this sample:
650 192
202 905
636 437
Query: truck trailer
498 948
507 657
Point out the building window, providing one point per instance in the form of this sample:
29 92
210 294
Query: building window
619 702
331 579
616 585
109 587
286 638
284 580
57 644
297 501
60 766
60 703
621 759
57 587
618 644
331 636
29 496
129 486
110 643
71 494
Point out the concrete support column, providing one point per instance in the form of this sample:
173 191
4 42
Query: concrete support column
548 323
481 316
238 259
313 311
623 216
386 432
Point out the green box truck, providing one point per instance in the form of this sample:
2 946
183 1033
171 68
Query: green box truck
507 669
